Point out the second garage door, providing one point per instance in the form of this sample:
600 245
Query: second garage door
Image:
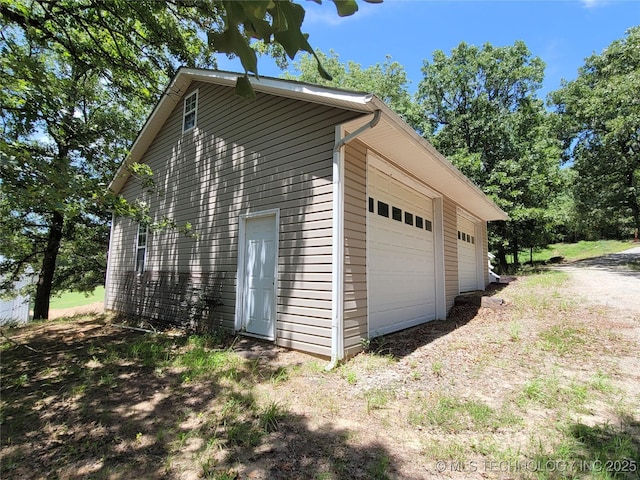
400 254
467 260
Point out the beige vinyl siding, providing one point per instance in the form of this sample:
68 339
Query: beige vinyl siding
450 220
122 256
246 157
485 254
355 243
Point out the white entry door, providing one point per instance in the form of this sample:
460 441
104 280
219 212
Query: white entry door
260 261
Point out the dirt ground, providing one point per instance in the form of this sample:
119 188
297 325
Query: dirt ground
56 313
609 281
448 399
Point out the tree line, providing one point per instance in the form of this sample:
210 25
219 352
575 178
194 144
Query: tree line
79 78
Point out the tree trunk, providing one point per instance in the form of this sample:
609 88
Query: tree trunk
502 259
45 279
515 252
635 213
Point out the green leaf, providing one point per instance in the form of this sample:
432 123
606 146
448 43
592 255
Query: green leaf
291 38
252 16
346 7
231 41
321 70
244 89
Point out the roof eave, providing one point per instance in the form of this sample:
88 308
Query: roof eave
165 105
490 211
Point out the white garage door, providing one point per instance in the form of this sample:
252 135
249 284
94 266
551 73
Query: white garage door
400 255
467 261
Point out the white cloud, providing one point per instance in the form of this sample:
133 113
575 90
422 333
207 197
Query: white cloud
326 13
593 3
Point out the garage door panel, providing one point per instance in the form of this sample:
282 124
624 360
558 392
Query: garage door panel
467 259
401 258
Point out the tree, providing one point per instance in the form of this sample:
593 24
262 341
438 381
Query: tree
78 78
388 81
61 143
478 107
600 113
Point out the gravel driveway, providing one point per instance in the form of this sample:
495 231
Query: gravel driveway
611 280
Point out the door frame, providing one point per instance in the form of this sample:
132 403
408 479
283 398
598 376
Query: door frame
241 270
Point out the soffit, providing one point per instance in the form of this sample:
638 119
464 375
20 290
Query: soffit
417 157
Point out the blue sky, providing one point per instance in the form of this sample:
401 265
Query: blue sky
562 33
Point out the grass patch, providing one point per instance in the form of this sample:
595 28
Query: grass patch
377 398
547 279
197 355
372 362
151 350
550 392
562 339
280 375
77 299
635 265
601 382
446 449
541 293
454 415
349 375
577 251
379 468
270 417
599 452
515 330
201 358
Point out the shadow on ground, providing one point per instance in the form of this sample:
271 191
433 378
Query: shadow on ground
81 399
623 263
611 451
405 342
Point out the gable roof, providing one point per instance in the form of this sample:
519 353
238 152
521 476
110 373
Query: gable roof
392 137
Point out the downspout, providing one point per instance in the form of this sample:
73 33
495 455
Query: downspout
108 279
337 290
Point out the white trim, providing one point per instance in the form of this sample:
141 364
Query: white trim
282 87
195 111
337 252
438 251
240 270
480 259
137 247
367 235
387 167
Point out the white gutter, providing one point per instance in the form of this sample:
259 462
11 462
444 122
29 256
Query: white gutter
337 281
